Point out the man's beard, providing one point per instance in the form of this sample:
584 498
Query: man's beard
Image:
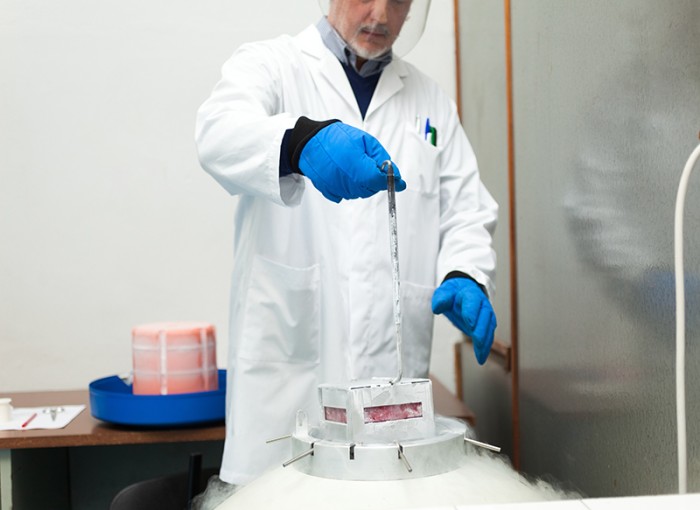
364 52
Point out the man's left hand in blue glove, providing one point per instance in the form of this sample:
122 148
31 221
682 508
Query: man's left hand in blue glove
469 309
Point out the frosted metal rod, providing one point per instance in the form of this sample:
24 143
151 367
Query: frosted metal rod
310 451
275 439
394 245
496 449
403 459
680 323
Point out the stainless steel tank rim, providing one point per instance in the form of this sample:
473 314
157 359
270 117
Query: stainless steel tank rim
441 453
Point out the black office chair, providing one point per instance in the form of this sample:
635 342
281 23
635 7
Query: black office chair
174 492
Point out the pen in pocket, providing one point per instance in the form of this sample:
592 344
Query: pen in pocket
430 133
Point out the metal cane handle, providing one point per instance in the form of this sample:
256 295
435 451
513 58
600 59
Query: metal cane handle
394 247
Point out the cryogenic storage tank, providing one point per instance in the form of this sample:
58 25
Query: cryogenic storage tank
378 445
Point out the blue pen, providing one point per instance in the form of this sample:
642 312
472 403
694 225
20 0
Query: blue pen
427 127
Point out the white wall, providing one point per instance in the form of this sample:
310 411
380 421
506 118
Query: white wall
106 219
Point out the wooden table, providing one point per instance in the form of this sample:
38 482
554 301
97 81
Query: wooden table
85 430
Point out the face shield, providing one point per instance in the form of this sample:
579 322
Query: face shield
372 27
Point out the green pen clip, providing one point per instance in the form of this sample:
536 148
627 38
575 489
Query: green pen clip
433 136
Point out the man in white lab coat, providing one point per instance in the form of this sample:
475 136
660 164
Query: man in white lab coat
298 128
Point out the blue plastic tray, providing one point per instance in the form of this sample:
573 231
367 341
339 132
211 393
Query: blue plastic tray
113 401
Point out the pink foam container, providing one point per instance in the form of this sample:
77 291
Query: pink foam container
174 357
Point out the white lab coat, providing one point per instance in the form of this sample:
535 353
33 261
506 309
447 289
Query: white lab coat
311 298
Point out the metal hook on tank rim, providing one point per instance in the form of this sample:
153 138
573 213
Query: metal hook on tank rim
303 454
403 458
280 438
487 446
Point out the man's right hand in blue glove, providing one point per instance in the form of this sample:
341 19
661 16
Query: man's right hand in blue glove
341 161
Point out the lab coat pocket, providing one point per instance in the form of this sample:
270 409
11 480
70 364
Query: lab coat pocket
417 328
282 314
418 162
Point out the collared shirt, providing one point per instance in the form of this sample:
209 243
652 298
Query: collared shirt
331 38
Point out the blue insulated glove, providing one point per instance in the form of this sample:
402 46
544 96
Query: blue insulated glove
469 309
341 161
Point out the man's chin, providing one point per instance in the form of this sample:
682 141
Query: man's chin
369 53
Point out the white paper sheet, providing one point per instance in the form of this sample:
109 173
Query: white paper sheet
43 418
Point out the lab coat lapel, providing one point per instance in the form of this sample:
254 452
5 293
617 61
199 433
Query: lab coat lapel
389 84
330 70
